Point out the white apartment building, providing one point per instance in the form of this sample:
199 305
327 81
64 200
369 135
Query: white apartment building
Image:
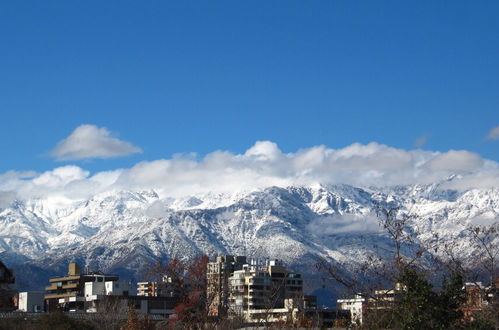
356 306
95 291
265 291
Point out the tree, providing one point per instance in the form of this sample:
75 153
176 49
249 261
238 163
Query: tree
133 322
486 243
481 265
420 306
187 283
413 303
192 309
111 313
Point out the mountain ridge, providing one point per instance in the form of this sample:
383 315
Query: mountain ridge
125 230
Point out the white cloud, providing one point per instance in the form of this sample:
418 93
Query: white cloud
264 150
493 134
346 223
6 198
456 161
488 178
262 165
90 141
60 176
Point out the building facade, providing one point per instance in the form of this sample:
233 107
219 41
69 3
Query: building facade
156 289
266 291
96 292
31 302
217 276
355 306
68 292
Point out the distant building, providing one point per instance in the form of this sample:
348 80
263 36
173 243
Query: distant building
164 288
478 297
153 305
355 306
382 300
218 273
493 292
95 292
31 302
147 289
266 291
68 292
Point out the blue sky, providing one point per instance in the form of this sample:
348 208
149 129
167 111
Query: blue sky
199 76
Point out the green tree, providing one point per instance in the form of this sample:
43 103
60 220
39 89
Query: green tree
412 302
420 306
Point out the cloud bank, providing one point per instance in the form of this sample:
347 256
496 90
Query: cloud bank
90 141
262 165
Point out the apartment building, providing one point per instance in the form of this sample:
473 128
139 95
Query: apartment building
265 290
381 300
218 273
356 307
155 289
96 292
479 298
68 292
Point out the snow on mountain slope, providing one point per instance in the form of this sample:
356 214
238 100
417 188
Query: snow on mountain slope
123 230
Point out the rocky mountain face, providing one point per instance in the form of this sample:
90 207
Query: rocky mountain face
122 231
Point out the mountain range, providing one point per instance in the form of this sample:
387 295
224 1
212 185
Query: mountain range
123 231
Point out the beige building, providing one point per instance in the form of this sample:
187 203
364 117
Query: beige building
218 273
68 292
267 291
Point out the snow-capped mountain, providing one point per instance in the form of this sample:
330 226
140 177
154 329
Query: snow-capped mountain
121 231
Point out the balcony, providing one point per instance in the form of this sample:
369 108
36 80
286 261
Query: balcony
61 295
